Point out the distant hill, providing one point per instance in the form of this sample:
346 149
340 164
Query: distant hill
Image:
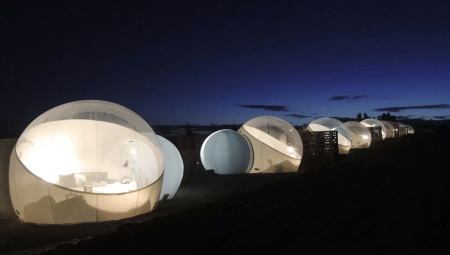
442 125
14 130
413 122
169 130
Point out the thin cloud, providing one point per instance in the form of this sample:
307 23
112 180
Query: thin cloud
298 116
311 113
406 117
360 96
441 117
273 108
338 98
352 98
398 109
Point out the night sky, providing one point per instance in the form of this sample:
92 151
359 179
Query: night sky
174 62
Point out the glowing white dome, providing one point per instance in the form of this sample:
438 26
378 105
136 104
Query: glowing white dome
277 134
410 129
375 123
402 129
91 137
79 153
173 168
277 146
227 152
331 124
361 137
390 129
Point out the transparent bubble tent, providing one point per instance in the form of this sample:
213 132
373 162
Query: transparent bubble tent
227 152
331 124
361 137
390 129
375 123
85 161
173 168
402 129
277 146
410 129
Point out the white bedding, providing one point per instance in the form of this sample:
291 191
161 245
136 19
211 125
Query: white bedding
109 188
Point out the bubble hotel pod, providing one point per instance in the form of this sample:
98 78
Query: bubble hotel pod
227 152
361 137
375 123
331 124
85 161
277 146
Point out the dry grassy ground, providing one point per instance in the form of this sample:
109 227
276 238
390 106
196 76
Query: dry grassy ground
391 199
22 238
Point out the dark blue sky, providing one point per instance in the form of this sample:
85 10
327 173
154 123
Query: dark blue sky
222 61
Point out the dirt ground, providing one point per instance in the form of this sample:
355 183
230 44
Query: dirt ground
391 199
22 238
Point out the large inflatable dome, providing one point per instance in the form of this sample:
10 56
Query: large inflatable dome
277 146
399 128
396 126
375 123
331 124
402 129
390 129
361 137
173 168
71 162
227 152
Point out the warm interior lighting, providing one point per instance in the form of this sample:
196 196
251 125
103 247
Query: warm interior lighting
272 142
71 153
344 138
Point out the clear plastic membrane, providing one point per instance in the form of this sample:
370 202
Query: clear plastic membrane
375 123
277 134
390 129
331 124
91 143
361 137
